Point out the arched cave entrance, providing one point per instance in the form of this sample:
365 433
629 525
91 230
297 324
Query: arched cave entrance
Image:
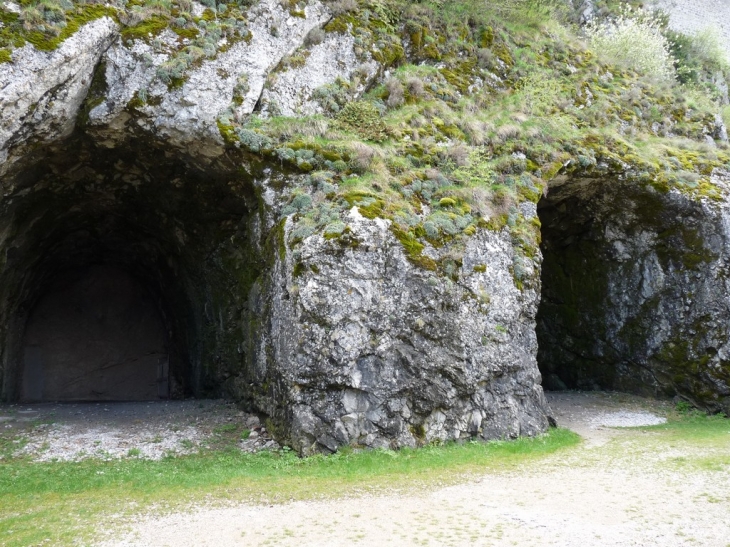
633 291
125 272
573 279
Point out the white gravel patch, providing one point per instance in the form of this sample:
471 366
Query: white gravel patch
148 429
624 418
60 442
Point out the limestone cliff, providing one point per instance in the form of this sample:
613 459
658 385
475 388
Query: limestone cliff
335 207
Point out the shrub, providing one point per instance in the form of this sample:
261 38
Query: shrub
697 55
298 204
507 132
416 88
342 6
364 118
315 37
253 141
396 93
332 97
334 228
634 40
362 157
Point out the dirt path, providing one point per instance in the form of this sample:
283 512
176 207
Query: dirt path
594 494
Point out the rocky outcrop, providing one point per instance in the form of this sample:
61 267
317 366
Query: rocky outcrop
378 352
41 93
635 290
291 89
186 116
342 327
339 340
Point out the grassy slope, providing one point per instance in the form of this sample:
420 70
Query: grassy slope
485 105
482 110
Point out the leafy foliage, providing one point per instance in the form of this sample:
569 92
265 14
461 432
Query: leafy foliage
635 40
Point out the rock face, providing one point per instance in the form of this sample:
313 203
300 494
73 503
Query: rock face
378 352
343 336
187 116
338 340
41 93
635 291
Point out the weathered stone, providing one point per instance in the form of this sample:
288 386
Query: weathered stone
291 89
186 116
336 340
362 347
635 291
378 352
41 93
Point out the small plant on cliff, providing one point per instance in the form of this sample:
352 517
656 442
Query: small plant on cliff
698 57
635 40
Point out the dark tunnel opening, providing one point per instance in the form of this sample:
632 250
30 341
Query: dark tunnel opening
96 334
606 274
116 269
571 279
630 282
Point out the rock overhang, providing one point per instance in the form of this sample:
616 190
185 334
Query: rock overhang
634 290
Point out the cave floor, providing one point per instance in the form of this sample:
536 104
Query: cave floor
620 486
112 430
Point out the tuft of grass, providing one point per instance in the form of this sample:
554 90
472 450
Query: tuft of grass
74 21
150 27
61 502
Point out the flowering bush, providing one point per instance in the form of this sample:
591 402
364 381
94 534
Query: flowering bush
635 40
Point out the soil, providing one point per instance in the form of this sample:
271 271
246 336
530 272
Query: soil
592 494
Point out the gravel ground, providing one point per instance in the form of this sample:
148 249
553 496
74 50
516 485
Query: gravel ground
585 496
593 494
151 430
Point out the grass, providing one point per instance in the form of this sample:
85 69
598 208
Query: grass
704 439
61 502
64 503
482 114
689 442
484 108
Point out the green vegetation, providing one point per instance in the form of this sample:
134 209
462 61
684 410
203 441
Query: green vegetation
46 23
484 108
62 502
485 105
699 442
634 40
